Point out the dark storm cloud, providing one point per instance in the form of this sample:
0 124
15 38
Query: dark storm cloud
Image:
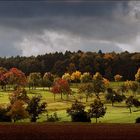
43 21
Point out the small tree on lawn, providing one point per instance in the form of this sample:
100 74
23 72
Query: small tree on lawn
34 79
35 108
78 113
61 87
17 111
98 84
129 103
75 76
97 109
19 94
16 77
67 77
3 78
48 80
133 86
113 96
87 89
123 89
86 77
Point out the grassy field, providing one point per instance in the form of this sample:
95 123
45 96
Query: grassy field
119 113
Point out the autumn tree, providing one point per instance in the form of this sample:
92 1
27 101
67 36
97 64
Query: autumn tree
35 108
97 109
118 78
87 89
34 79
122 89
16 77
78 113
61 87
66 76
48 80
75 76
133 86
3 78
17 111
106 82
19 94
86 77
98 84
137 75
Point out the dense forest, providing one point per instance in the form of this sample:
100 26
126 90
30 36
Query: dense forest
108 64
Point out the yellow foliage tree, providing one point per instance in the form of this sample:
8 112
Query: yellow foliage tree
67 77
137 76
75 76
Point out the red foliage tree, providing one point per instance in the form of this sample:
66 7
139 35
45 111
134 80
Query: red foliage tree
61 86
3 78
16 77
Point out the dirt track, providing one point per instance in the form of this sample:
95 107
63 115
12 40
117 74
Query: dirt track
69 132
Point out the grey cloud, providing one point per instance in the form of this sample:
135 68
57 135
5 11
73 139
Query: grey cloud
27 22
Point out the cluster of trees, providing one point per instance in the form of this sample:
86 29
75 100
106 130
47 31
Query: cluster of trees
21 107
108 64
79 114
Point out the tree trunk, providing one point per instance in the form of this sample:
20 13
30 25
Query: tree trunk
54 96
130 110
33 119
96 119
112 103
61 96
86 98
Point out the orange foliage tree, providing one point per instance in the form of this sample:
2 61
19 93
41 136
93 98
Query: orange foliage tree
16 77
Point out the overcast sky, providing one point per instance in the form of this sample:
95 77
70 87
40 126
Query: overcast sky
37 26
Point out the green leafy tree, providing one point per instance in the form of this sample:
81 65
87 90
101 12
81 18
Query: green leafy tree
97 109
113 96
131 101
87 89
78 113
48 80
98 84
34 79
35 108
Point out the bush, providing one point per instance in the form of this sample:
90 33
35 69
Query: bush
53 118
78 113
138 120
3 115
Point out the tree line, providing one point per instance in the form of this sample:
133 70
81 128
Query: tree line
107 64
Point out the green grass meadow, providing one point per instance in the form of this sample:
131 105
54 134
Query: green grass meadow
119 113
